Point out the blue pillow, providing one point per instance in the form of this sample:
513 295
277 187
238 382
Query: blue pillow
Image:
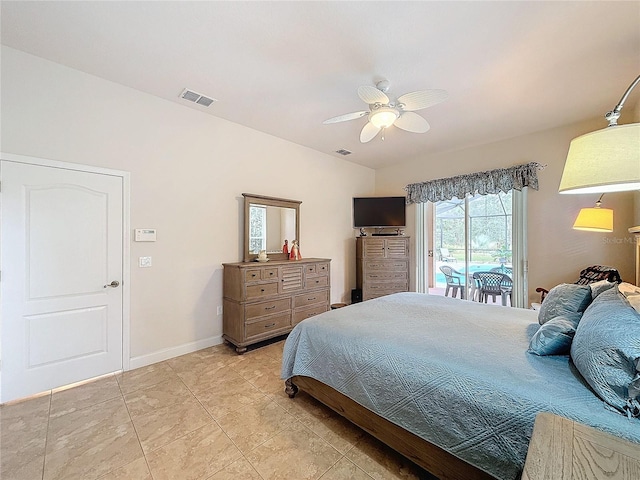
606 351
562 299
555 336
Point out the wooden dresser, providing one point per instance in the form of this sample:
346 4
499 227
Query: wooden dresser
382 265
265 300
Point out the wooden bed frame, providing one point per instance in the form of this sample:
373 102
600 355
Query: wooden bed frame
432 458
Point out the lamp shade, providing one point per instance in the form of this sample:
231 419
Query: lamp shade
594 219
606 160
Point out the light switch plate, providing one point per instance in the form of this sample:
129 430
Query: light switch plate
144 262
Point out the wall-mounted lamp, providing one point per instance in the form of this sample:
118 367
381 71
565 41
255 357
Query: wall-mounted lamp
606 160
595 219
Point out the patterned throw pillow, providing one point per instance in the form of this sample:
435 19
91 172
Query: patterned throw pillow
606 351
555 336
562 299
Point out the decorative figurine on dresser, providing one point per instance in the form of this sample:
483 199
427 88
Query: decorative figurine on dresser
267 298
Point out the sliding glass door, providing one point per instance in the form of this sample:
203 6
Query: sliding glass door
471 235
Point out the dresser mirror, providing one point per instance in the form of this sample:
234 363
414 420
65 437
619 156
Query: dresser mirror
268 222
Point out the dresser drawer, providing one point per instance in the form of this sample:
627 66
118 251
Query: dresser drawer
314 282
266 308
270 273
268 325
310 298
304 313
261 290
310 269
322 269
256 274
252 275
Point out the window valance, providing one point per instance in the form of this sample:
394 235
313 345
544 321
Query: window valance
492 181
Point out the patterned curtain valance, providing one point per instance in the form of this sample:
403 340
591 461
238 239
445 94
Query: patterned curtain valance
492 181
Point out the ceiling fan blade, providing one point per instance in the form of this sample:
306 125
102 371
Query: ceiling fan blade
422 99
372 95
412 122
345 117
369 131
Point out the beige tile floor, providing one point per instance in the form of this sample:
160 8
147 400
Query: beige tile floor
209 415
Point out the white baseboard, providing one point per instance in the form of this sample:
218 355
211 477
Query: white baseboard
166 354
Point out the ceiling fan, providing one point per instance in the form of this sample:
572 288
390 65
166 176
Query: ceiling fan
383 112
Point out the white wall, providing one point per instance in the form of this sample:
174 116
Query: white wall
188 171
557 253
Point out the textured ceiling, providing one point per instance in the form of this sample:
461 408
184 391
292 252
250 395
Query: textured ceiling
510 68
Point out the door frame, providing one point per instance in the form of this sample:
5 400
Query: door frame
126 237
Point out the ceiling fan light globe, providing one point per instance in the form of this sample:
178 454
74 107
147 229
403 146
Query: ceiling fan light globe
383 117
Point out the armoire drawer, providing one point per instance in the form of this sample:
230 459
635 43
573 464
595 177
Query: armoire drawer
384 276
389 287
389 265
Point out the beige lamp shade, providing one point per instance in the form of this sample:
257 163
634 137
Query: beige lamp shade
594 219
606 160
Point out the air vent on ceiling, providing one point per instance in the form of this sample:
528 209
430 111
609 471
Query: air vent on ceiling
197 97
342 151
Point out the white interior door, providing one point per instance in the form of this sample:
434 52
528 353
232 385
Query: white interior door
62 246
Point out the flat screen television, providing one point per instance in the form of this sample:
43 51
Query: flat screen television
379 212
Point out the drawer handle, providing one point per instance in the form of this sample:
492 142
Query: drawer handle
270 325
317 281
309 299
262 289
253 274
270 308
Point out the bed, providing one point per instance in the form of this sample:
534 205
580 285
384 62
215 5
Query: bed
446 382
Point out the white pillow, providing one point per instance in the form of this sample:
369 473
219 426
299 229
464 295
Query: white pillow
632 294
628 289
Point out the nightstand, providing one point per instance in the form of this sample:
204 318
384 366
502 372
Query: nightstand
561 449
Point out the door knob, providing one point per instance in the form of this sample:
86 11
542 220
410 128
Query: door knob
113 284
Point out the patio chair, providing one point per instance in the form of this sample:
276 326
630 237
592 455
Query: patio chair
454 282
591 274
445 256
503 269
493 284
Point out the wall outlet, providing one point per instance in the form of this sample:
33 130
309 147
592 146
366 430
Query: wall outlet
219 309
144 262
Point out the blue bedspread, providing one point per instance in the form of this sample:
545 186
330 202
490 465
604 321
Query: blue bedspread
455 373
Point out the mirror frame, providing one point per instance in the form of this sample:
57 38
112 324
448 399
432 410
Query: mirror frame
250 198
